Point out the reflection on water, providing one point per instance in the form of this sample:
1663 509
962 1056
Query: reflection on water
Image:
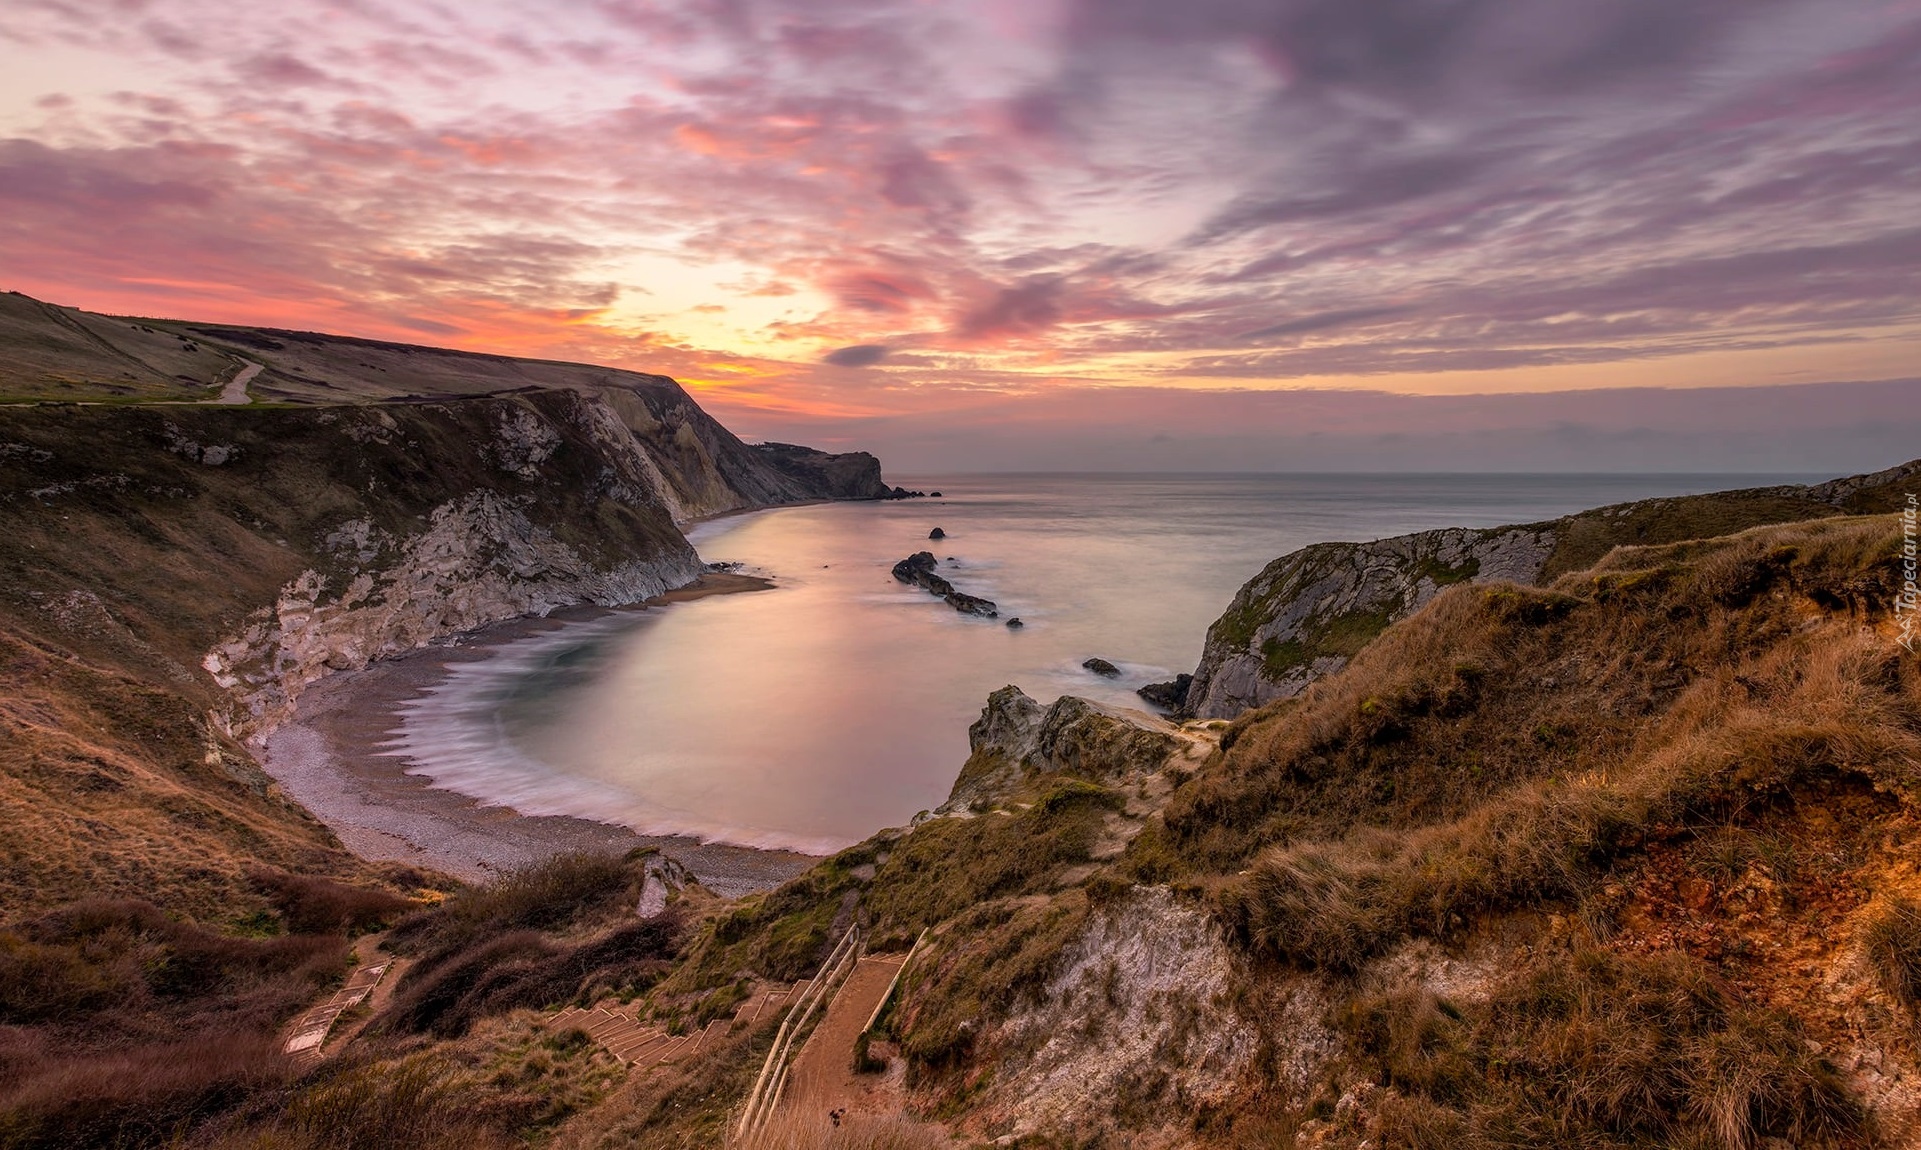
811 715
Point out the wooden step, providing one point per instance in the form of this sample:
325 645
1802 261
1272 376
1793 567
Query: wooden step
672 1051
640 1037
710 1034
607 1022
646 1053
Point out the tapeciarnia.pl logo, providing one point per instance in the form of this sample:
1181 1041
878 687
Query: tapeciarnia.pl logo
1909 600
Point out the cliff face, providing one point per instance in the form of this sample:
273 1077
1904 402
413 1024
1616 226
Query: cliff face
1307 613
175 572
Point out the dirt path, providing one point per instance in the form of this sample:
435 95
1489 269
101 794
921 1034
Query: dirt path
236 389
823 1077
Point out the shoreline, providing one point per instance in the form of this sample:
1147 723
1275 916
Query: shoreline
332 761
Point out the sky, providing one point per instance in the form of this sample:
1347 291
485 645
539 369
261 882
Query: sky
1033 234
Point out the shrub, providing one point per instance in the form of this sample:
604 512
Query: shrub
136 1096
130 957
311 905
547 895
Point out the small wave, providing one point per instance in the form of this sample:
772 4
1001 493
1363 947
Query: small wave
453 735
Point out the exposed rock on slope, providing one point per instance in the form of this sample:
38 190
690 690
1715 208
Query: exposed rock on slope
214 561
1308 612
324 539
1016 738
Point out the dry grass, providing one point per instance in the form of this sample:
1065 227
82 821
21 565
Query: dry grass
494 948
310 904
1891 939
127 967
1507 745
945 868
1594 1048
134 1096
415 1103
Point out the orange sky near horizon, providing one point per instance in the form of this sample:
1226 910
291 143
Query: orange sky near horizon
858 211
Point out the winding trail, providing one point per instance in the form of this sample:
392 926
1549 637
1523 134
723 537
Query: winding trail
236 390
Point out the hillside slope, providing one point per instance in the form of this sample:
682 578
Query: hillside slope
1630 860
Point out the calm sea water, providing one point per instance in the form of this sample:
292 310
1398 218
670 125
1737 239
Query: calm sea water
813 714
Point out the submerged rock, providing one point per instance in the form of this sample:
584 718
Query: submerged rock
937 533
1015 623
1103 668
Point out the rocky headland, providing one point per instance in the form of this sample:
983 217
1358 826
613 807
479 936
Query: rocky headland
1308 612
1598 832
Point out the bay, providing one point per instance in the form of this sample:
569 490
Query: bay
810 715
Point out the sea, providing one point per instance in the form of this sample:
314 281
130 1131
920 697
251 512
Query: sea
808 716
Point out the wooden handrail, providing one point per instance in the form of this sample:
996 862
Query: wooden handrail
874 1018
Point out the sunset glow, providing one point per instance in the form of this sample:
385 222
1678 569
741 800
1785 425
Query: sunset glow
819 214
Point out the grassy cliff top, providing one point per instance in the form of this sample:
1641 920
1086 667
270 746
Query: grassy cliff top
50 353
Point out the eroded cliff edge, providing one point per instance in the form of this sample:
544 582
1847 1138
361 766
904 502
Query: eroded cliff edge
1310 611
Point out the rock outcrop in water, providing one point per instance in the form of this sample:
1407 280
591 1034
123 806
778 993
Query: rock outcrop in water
1307 613
918 570
1101 667
1172 694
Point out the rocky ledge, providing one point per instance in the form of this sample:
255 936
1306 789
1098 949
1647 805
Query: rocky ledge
918 570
